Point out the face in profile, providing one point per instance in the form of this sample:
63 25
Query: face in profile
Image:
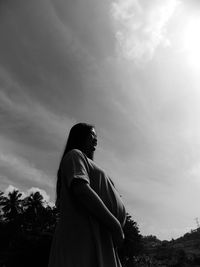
91 144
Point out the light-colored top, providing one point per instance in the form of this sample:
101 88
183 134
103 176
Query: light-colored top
80 240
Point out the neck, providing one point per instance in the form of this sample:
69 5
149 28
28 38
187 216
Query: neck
89 154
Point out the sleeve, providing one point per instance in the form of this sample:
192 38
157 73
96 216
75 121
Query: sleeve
75 167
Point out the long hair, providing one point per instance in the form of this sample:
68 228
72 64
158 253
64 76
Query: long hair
76 140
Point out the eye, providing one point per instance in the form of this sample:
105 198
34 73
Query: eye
93 134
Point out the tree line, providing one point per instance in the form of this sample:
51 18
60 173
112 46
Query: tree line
27 225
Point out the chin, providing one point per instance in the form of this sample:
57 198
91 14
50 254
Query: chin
91 155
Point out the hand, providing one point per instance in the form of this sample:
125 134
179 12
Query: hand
118 235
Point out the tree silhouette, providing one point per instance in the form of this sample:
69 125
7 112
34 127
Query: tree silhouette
133 242
26 229
1 197
2 200
49 217
33 211
34 202
12 205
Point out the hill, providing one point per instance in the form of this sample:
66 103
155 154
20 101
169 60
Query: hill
183 251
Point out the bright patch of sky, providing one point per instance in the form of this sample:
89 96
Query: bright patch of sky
139 30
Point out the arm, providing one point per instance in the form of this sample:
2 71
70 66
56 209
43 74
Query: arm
93 203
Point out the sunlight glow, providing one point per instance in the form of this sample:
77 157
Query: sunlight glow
191 42
140 29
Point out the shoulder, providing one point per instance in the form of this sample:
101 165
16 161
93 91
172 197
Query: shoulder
75 154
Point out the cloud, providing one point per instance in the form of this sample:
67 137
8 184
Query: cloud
29 121
41 55
23 170
141 27
89 21
9 189
31 137
26 193
53 45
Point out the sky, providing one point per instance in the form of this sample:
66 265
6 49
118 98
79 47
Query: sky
131 68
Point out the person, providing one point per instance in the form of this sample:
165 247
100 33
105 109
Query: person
92 214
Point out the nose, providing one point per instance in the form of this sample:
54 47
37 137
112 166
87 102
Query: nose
95 140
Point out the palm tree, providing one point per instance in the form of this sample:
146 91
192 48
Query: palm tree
12 205
34 203
2 200
49 218
34 210
1 195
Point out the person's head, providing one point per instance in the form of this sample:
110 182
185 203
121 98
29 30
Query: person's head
82 136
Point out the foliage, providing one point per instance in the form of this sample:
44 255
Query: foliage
12 205
27 225
133 242
182 252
